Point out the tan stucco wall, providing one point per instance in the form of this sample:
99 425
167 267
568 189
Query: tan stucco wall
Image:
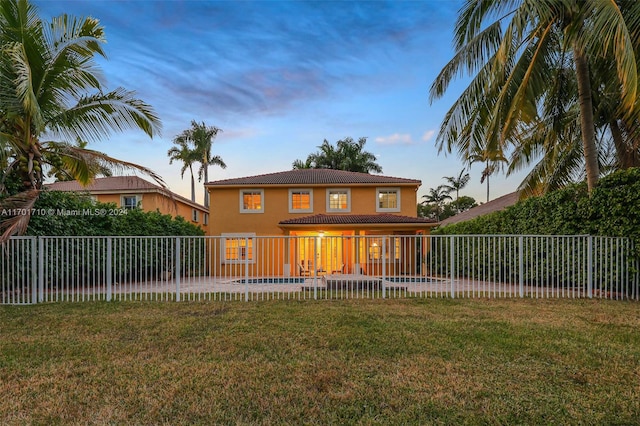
154 201
226 216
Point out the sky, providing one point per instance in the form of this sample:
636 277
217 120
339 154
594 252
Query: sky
280 77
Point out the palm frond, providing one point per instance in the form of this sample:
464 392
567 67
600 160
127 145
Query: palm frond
80 162
97 116
17 224
608 32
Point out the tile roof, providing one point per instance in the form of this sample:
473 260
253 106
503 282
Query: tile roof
115 184
355 219
314 177
495 205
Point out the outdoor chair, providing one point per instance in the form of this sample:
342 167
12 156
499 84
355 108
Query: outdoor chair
304 272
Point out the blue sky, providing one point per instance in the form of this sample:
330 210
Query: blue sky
280 77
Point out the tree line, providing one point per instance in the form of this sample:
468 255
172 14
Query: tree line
554 87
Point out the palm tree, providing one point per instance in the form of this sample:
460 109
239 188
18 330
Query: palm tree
58 170
201 137
51 88
492 161
299 164
437 197
345 155
185 153
354 158
456 184
327 158
519 57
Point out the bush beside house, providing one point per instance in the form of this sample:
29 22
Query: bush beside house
134 223
613 210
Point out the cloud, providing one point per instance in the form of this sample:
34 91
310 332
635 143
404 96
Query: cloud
235 58
426 137
395 139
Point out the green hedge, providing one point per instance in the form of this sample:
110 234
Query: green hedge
80 259
135 223
612 210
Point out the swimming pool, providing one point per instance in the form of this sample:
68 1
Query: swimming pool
273 280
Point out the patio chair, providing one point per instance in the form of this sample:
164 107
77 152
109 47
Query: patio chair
304 272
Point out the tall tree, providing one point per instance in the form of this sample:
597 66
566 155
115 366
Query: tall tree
518 51
347 154
201 137
456 183
437 197
492 163
51 88
184 152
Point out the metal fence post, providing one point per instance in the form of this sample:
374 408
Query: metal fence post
589 266
177 272
384 265
452 265
246 268
315 268
109 267
35 270
40 269
521 265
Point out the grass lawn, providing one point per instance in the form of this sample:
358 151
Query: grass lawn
433 361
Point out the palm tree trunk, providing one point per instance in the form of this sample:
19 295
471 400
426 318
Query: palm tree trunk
193 185
487 188
586 119
206 179
622 151
488 174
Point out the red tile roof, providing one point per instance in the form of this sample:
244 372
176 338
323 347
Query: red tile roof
355 219
118 184
314 177
113 183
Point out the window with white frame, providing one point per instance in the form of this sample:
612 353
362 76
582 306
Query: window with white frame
300 201
206 218
238 248
194 215
392 248
388 200
338 200
251 201
130 201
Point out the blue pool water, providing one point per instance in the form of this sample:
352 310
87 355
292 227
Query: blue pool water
291 280
410 279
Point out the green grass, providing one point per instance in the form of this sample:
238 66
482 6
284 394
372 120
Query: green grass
434 361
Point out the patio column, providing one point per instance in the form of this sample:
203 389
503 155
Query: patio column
357 269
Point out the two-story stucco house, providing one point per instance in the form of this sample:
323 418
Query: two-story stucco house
134 192
335 214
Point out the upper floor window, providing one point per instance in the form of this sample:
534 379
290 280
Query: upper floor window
251 201
130 201
300 201
194 215
338 200
206 218
388 200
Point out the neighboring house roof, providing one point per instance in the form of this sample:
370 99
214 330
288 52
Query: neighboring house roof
119 185
355 219
315 177
498 204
